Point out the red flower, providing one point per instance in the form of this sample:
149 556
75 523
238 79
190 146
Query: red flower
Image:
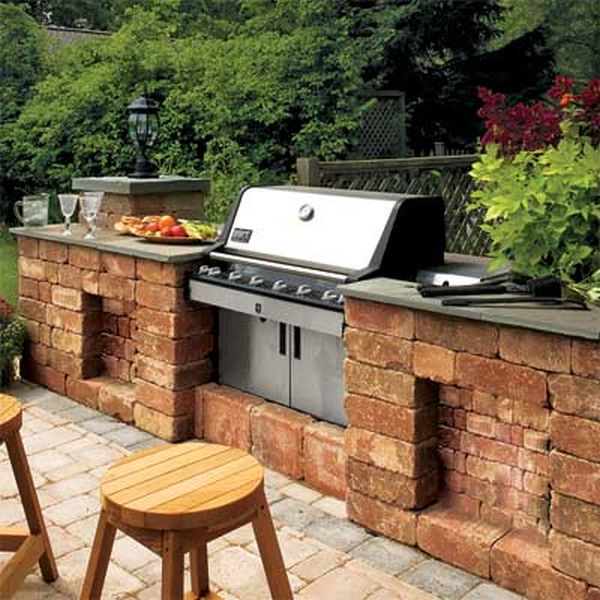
536 126
565 100
6 311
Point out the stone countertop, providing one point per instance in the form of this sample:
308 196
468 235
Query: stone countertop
108 241
575 323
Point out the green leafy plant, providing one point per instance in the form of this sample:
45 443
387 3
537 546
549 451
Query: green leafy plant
542 206
12 340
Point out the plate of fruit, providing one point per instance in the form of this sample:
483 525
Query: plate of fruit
166 229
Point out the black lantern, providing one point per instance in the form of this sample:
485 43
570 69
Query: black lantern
143 130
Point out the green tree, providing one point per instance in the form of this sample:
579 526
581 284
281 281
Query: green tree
22 65
574 28
238 109
93 14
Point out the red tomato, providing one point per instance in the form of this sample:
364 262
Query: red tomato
165 232
167 221
178 231
152 227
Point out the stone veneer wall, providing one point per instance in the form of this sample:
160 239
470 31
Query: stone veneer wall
475 442
116 333
281 438
511 473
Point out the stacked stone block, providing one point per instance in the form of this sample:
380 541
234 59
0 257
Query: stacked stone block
281 438
575 466
517 417
116 333
184 205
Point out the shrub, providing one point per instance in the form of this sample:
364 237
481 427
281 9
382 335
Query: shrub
539 184
237 109
12 340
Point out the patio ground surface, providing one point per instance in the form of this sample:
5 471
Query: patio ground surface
328 558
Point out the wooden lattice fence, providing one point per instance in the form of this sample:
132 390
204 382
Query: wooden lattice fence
447 176
382 129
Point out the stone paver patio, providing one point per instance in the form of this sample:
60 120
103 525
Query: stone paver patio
328 558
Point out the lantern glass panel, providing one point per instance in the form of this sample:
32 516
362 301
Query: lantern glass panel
133 127
152 129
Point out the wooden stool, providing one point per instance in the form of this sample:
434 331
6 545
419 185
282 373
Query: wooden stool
174 500
29 545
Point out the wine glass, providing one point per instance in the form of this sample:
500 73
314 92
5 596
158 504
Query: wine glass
68 203
90 205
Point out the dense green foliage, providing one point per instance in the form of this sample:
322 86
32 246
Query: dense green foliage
22 59
22 65
573 26
94 14
236 109
246 86
542 209
12 340
9 281
539 184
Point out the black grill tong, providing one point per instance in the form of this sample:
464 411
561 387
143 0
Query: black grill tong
545 291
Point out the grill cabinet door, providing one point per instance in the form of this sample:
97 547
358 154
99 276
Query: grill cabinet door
317 379
254 355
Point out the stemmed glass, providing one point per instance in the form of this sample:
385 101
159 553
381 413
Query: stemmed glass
68 203
90 205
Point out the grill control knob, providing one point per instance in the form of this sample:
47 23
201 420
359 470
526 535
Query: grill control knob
256 280
329 295
234 276
279 285
203 270
214 271
303 290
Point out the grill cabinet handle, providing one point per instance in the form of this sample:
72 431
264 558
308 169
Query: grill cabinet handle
282 339
297 343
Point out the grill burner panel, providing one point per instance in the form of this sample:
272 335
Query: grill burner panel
314 292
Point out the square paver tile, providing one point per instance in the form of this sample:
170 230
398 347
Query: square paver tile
128 436
74 509
337 533
295 514
300 492
489 591
318 564
389 556
442 580
339 584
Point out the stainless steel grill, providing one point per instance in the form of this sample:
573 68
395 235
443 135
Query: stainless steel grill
275 273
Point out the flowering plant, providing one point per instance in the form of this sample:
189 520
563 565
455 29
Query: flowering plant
539 184
12 339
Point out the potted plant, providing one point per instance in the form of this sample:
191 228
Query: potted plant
538 183
12 339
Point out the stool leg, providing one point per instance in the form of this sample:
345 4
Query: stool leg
31 505
199 570
99 559
172 567
270 554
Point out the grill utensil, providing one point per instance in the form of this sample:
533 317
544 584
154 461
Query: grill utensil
536 287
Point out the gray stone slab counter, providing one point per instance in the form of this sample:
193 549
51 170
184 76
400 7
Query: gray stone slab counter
107 241
131 186
575 323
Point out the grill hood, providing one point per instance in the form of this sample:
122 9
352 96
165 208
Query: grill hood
348 233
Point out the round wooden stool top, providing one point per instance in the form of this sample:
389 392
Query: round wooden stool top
186 486
10 416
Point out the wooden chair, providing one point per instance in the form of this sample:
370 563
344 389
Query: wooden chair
174 500
29 545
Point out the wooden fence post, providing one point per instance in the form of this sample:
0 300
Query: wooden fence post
308 173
